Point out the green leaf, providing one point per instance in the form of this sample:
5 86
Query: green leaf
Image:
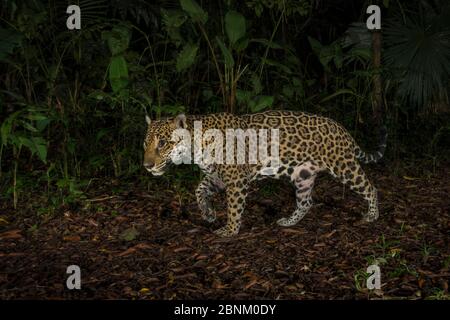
256 84
118 73
261 103
36 116
337 93
338 57
41 148
9 40
270 44
20 141
227 56
101 133
5 131
42 124
315 45
28 126
186 57
173 18
288 91
194 10
234 26
129 234
243 96
118 39
16 141
363 53
36 145
172 21
173 109
278 65
98 95
241 44
326 55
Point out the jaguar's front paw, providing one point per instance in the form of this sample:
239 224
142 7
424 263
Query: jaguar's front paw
370 217
210 216
226 232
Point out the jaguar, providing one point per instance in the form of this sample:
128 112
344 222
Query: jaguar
308 144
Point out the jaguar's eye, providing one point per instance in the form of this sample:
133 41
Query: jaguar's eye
161 143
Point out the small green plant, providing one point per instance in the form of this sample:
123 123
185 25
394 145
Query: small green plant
371 260
70 190
402 269
386 246
231 40
427 250
360 278
23 129
114 213
446 263
438 294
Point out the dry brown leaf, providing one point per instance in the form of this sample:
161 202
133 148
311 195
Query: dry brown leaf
12 234
127 252
72 238
250 284
328 235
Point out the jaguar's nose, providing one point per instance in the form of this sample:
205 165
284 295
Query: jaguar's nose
148 164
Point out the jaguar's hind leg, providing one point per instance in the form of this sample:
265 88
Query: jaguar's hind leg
354 176
303 178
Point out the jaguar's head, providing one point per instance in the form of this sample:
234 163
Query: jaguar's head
159 145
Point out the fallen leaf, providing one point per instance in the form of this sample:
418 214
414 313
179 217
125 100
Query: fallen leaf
421 282
298 231
134 249
410 178
71 238
181 249
321 244
127 252
330 234
92 222
251 284
129 234
12 234
143 246
12 254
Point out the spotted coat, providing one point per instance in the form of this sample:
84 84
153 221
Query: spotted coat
309 144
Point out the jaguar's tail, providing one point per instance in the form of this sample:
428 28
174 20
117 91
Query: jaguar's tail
377 155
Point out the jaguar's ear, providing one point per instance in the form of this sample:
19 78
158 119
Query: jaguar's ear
180 121
147 119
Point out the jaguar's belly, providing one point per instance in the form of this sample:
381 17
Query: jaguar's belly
292 170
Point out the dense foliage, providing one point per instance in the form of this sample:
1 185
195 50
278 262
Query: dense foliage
72 103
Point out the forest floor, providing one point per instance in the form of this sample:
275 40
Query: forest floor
135 242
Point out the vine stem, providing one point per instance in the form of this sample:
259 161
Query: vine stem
270 42
219 73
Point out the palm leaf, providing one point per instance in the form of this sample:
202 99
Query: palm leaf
418 50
